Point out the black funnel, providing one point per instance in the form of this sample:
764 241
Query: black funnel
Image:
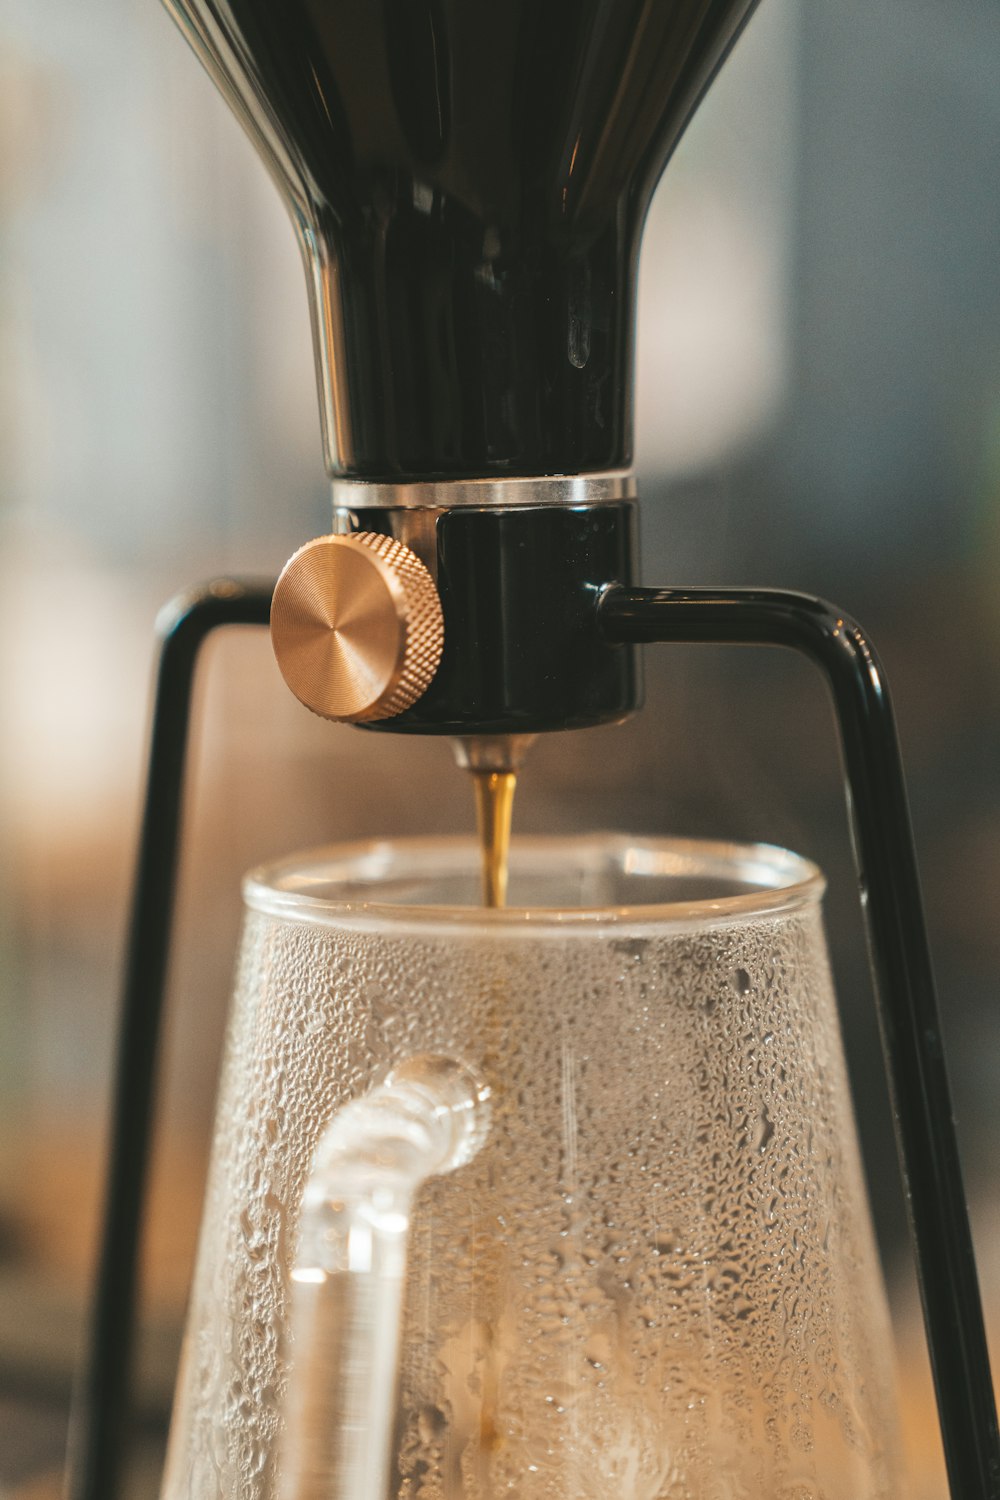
469 182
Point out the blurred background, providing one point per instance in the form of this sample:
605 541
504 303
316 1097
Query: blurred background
819 408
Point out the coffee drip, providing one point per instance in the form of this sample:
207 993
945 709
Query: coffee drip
494 812
494 763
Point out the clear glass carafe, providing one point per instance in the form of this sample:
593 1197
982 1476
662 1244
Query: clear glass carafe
648 1273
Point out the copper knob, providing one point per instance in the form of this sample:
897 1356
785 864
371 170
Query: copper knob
356 626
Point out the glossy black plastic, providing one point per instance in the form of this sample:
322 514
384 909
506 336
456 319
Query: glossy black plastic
469 181
523 650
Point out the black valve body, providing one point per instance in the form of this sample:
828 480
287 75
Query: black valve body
519 590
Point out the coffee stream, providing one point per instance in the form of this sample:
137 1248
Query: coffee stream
494 808
493 761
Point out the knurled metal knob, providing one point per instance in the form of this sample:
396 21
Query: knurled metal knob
356 626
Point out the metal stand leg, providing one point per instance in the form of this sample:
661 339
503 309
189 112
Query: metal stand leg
100 1416
904 984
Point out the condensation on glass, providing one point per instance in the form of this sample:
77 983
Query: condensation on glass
656 1278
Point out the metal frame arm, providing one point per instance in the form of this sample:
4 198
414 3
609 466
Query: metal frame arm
901 965
100 1426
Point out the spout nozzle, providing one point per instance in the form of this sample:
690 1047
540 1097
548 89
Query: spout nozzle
493 754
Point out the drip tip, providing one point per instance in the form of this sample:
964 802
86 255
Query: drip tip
494 754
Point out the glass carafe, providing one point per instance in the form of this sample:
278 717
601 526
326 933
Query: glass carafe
648 1274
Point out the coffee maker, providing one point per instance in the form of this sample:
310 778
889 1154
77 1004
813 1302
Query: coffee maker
468 191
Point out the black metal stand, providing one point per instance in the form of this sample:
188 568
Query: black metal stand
890 896
901 965
100 1419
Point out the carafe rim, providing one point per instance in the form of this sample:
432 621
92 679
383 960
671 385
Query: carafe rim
304 887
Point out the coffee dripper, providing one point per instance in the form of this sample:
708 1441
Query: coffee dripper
469 191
